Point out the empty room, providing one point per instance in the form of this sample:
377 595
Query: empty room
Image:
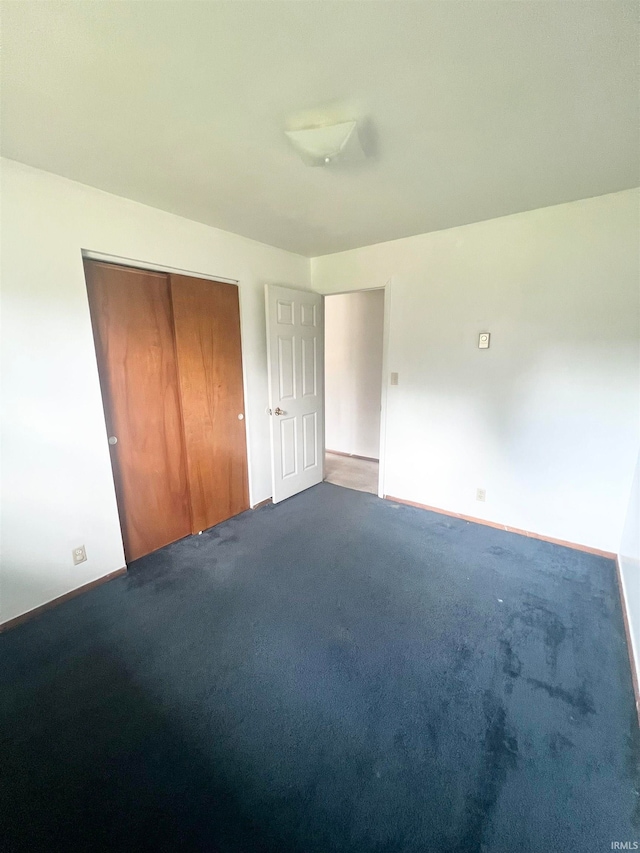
320 340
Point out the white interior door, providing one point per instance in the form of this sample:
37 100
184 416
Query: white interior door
295 346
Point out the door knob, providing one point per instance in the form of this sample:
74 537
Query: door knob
113 439
278 411
241 417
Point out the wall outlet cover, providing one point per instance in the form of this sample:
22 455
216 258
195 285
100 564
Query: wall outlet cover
79 555
481 494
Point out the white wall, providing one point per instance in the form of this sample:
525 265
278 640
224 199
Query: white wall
546 420
353 371
629 561
56 475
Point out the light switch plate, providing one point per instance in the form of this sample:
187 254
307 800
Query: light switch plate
484 338
394 378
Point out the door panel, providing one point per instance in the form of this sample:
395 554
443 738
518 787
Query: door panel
309 367
288 442
309 440
133 333
295 348
286 367
207 329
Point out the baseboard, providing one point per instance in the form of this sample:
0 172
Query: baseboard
262 503
352 455
627 630
575 545
31 614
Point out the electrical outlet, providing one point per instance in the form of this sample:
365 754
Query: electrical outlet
481 494
394 378
79 555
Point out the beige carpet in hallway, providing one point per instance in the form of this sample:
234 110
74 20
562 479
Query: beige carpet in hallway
352 472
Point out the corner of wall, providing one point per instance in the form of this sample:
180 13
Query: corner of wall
629 580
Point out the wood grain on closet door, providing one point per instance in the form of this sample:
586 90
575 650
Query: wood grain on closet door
133 331
207 326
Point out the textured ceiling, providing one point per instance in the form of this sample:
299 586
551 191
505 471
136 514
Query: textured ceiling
469 110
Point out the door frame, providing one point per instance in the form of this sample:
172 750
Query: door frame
384 384
106 258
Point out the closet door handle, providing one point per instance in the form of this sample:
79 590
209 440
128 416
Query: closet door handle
113 439
240 417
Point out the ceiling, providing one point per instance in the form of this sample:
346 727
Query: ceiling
469 110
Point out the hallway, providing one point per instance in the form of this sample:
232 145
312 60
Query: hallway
352 472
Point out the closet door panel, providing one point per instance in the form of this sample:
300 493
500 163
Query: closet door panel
207 332
134 338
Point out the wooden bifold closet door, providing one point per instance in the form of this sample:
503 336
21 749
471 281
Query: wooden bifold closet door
170 366
207 324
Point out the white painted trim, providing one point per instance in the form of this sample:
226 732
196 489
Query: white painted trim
267 317
627 566
323 380
384 388
145 265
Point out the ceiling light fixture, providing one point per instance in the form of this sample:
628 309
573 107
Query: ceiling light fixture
318 146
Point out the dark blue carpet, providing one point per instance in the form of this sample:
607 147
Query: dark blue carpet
335 673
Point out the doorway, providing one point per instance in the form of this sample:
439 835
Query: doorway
354 335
